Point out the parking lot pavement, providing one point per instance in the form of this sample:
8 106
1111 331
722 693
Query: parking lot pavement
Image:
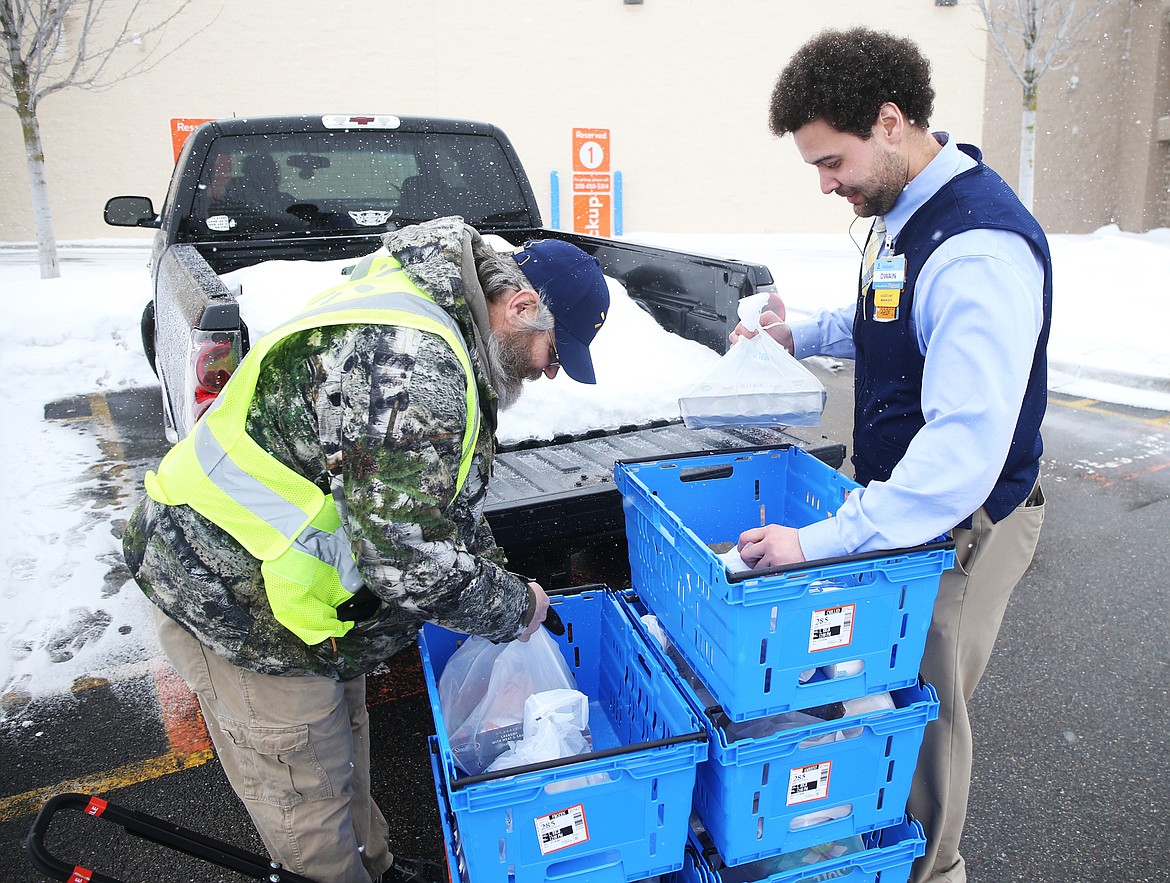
141 744
1071 782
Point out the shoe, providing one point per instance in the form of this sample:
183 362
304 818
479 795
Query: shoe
413 870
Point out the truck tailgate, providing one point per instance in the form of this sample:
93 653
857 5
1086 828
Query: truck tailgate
549 503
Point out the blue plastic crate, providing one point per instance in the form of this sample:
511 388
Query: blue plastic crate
758 797
888 857
751 637
456 866
762 795
620 813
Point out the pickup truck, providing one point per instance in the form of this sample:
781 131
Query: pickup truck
321 188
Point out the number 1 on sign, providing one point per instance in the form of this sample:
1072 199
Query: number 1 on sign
591 154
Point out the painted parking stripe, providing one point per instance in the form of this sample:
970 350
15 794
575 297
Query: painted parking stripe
1096 406
128 774
187 737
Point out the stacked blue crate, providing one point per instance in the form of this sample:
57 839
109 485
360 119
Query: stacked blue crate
617 814
749 647
885 855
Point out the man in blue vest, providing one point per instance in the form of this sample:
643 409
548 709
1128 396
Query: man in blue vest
949 332
331 501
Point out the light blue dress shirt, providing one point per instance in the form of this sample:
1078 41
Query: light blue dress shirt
977 314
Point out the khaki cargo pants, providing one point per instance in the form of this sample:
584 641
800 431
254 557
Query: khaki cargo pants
296 751
973 596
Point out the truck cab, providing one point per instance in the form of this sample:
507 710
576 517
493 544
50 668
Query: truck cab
253 189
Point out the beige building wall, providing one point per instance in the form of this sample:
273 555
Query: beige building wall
1103 124
683 85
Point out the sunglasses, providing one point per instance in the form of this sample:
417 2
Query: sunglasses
554 360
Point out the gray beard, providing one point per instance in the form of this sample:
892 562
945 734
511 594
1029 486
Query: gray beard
508 366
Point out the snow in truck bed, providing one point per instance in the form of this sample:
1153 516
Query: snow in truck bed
642 369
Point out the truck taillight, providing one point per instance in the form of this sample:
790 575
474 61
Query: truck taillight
214 355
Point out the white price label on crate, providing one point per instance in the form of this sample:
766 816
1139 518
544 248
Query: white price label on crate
807 783
831 627
561 829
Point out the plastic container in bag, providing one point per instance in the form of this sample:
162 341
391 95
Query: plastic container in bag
757 382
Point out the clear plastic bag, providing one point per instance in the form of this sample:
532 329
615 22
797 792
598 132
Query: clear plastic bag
799 859
483 690
756 383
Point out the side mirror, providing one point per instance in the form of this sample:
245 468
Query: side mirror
131 211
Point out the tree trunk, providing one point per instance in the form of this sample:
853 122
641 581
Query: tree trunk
39 187
1027 155
1032 22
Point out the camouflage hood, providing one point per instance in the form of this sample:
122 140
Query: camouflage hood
438 257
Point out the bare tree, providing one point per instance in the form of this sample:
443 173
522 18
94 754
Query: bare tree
50 45
1035 36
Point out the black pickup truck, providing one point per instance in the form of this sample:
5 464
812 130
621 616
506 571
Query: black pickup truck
254 189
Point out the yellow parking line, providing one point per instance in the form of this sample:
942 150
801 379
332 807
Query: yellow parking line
135 773
108 440
1097 407
185 731
187 734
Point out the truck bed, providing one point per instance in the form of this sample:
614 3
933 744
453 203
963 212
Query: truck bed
555 510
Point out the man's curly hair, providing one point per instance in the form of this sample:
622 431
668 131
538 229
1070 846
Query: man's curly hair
844 77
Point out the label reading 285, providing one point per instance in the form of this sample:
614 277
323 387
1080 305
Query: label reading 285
831 627
561 829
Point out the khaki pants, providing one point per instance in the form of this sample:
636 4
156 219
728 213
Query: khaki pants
296 751
989 560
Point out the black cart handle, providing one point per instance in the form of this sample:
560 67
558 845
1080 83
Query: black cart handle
148 828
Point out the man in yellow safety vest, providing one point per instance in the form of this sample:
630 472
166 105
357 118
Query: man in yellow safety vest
331 501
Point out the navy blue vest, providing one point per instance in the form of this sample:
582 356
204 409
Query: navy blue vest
888 383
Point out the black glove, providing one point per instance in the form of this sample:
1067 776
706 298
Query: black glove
552 622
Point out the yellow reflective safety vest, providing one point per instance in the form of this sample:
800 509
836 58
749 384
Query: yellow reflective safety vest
278 515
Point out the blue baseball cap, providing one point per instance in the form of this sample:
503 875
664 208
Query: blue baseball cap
572 284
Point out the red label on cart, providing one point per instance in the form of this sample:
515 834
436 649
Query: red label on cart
831 628
96 806
561 829
80 875
807 783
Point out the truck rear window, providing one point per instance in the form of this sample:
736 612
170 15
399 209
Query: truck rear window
346 182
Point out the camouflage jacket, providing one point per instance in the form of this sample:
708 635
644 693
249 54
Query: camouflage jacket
375 415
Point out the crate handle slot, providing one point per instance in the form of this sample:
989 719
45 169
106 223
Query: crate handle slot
576 867
820 817
589 780
706 473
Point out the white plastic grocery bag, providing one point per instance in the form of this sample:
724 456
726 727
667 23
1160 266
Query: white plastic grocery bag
556 724
483 690
756 383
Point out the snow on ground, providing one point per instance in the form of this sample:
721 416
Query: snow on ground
66 608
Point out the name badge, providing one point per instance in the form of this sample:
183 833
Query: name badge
885 304
890 272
